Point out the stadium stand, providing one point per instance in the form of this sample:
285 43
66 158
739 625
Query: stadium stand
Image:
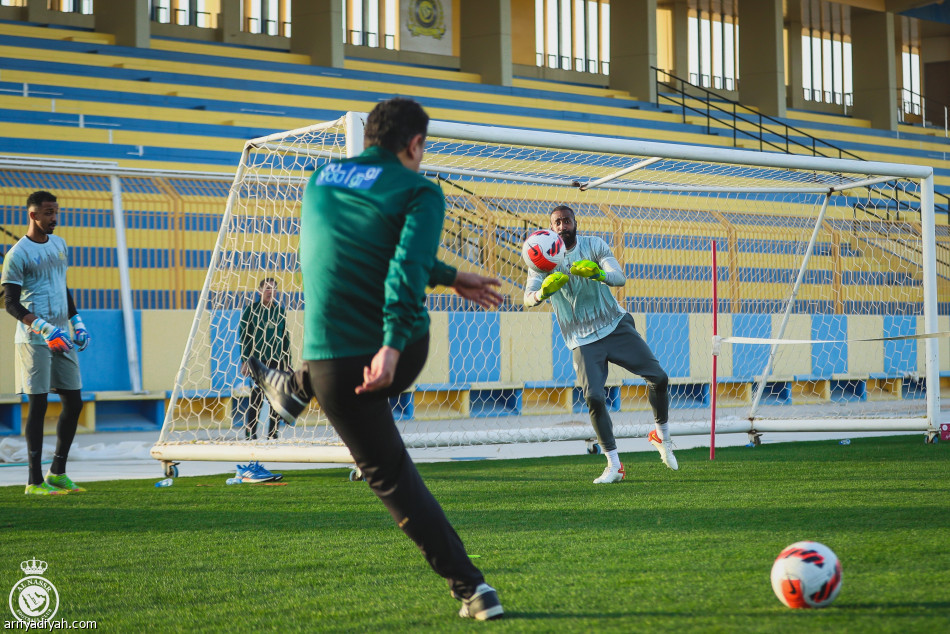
190 106
235 82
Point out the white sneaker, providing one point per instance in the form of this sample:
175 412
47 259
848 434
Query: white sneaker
665 449
609 476
483 605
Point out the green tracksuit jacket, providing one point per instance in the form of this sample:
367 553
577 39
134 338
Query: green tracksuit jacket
369 234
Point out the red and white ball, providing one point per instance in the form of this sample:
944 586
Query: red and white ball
543 251
806 575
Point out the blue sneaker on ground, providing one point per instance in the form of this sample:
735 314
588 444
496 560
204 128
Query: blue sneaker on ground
257 466
255 473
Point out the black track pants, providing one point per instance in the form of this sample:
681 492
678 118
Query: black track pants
365 423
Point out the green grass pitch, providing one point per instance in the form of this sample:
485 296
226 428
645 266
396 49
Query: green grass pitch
686 551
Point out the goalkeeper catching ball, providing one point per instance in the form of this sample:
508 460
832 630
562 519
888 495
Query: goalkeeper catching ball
599 332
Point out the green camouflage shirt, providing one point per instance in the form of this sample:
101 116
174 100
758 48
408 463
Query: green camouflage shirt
263 333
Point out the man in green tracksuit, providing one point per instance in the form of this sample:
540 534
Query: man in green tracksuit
369 234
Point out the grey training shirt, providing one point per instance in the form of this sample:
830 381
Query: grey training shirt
40 271
586 310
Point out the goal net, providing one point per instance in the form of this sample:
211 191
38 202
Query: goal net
827 280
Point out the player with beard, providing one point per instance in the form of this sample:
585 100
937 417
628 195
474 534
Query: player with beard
599 332
34 281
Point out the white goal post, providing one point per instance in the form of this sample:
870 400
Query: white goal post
841 256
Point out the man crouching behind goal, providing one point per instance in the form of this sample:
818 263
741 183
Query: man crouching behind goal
599 331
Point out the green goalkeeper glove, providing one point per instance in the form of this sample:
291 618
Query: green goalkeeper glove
552 284
588 269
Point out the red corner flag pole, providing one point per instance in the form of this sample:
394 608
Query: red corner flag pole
714 389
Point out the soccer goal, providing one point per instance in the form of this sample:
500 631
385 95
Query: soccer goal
827 283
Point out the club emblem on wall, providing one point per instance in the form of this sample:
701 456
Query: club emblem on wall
427 17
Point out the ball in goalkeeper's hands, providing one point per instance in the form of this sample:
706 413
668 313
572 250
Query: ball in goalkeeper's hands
543 251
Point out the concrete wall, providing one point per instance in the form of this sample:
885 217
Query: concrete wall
874 64
162 337
7 329
634 52
762 58
161 353
512 347
485 38
522 32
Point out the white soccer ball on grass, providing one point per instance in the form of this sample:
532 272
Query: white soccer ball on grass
806 575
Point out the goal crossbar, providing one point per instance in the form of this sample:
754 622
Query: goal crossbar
560 140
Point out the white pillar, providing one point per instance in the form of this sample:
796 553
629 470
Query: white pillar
125 286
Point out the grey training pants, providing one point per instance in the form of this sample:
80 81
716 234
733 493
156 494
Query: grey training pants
626 348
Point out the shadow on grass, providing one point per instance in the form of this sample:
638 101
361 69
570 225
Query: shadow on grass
62 518
916 605
598 616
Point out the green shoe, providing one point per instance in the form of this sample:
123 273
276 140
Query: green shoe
43 489
64 483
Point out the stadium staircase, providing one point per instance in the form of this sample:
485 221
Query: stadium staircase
751 129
